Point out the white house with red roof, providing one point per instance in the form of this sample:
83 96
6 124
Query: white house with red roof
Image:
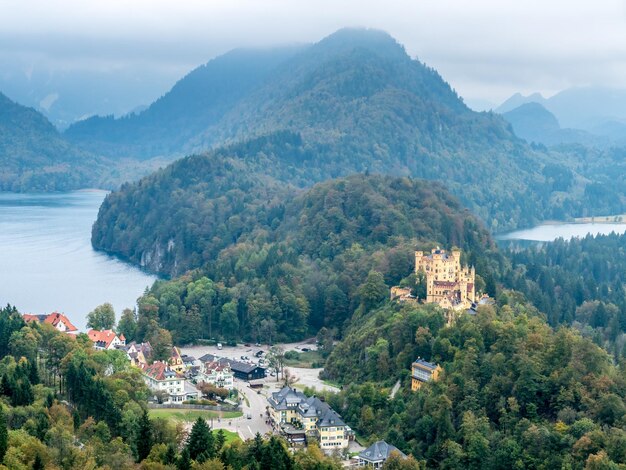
56 319
106 339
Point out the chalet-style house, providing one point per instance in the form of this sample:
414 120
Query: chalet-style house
241 370
217 374
302 419
139 354
56 319
176 360
106 339
376 455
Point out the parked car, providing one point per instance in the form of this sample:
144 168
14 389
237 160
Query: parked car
306 349
219 345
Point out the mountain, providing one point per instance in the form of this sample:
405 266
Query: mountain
356 102
598 110
195 102
533 122
35 156
70 94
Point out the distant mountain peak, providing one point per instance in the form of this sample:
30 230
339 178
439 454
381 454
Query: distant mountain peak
362 38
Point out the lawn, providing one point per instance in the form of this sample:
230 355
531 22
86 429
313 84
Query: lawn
308 359
179 414
230 435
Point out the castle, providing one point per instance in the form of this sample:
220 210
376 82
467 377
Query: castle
447 283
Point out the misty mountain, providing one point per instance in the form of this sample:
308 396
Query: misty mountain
198 100
533 122
66 96
598 110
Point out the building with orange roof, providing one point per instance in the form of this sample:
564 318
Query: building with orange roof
56 319
172 385
106 339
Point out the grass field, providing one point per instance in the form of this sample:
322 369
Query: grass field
230 435
191 415
304 359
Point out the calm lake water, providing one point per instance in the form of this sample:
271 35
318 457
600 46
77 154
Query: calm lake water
550 232
47 260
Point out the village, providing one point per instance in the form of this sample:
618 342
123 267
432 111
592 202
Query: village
247 378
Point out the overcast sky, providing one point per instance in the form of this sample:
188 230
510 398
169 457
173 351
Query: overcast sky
487 50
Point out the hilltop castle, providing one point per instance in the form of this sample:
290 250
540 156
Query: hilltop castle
447 283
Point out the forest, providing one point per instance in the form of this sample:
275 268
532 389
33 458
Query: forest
308 262
579 282
514 392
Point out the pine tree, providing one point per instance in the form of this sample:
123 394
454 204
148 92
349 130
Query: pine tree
170 455
38 463
144 437
4 434
201 441
184 462
220 440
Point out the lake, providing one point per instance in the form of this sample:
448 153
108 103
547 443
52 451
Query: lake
550 232
47 260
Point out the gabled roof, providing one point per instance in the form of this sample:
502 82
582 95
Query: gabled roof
29 317
160 371
216 366
55 318
176 354
286 396
329 417
242 367
102 338
379 451
208 358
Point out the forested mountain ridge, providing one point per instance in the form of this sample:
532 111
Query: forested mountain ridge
34 156
356 102
279 263
196 101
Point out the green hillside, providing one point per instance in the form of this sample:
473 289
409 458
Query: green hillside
278 263
34 156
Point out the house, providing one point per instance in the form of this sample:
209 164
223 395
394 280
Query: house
217 374
193 366
244 370
423 371
56 319
176 360
160 378
295 415
61 323
138 354
376 454
106 339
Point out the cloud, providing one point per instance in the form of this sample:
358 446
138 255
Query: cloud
487 49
